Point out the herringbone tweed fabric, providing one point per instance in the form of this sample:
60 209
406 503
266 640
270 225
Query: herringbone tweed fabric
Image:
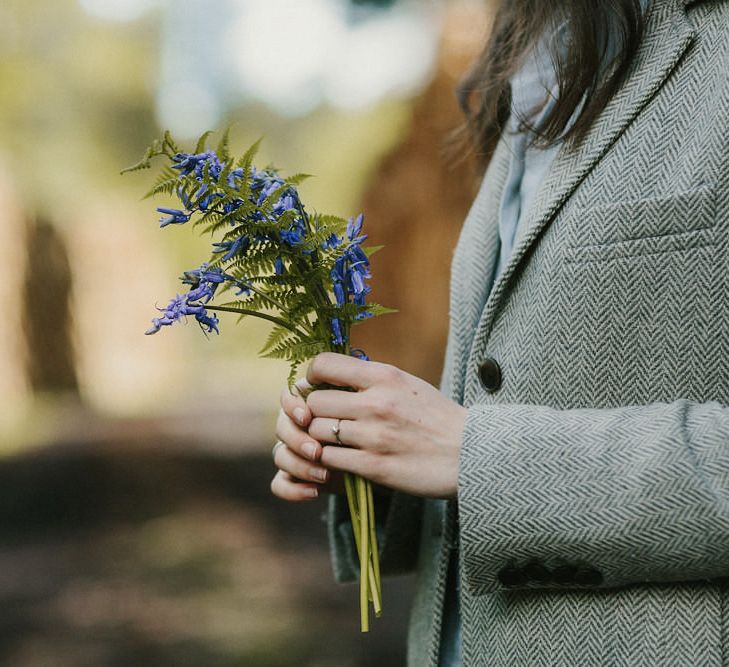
607 445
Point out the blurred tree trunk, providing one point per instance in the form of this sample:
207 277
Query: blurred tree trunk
415 206
47 311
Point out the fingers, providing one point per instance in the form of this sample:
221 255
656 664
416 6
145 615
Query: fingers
286 487
336 403
344 371
298 467
296 439
295 407
358 462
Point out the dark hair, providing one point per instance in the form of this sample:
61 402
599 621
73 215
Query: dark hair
485 93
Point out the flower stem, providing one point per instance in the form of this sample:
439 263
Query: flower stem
253 313
364 554
375 564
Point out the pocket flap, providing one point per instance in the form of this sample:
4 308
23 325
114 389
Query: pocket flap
645 218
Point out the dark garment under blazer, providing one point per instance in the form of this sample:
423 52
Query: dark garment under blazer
592 521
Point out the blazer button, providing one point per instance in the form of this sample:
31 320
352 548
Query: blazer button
537 572
489 372
588 576
511 577
565 574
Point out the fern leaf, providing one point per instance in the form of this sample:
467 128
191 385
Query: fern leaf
200 146
222 148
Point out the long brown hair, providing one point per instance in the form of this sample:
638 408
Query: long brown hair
485 93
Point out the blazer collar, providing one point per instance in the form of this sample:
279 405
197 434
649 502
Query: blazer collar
667 37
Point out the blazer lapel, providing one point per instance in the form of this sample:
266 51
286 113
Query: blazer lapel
667 37
473 268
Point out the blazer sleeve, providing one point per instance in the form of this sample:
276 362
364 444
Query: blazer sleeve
593 497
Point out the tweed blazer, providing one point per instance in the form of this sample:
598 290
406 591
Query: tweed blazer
592 518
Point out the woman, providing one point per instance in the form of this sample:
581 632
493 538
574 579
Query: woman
572 474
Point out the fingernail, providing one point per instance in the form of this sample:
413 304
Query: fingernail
319 473
312 493
310 449
299 415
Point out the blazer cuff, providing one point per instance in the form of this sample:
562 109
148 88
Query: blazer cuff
593 498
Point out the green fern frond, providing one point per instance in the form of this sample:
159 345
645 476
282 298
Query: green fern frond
200 146
297 179
371 250
247 160
223 146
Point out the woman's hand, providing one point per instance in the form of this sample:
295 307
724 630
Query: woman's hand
300 475
398 430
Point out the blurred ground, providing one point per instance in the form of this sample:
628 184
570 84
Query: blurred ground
152 551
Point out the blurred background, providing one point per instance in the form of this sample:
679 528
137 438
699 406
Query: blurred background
136 524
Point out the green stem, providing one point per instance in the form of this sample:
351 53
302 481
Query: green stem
375 564
352 502
273 301
264 316
364 555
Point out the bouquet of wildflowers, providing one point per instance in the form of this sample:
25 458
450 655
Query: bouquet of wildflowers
305 273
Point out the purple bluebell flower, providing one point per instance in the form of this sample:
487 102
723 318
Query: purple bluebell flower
209 321
354 227
237 247
187 163
204 282
179 308
242 289
235 176
287 202
337 337
294 235
278 266
174 216
339 293
231 206
351 270
264 184
333 241
182 196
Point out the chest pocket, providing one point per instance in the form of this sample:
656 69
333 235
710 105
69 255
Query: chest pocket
643 226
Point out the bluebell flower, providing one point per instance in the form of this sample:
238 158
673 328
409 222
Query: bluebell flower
204 282
333 241
187 163
179 308
174 216
294 235
287 202
182 196
356 282
242 289
264 184
339 293
231 206
337 337
209 321
360 354
278 266
237 247
354 227
234 176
